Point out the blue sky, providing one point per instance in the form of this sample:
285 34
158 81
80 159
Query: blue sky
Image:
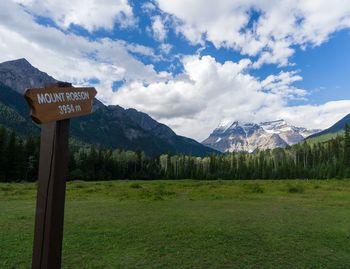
326 69
192 64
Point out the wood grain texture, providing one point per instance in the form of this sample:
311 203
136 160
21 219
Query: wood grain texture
48 232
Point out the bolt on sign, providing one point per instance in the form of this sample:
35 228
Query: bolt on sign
59 103
52 107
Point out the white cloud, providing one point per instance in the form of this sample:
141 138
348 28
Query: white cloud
316 116
89 14
282 84
279 26
158 28
166 48
148 7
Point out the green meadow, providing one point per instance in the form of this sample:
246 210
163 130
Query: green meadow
188 224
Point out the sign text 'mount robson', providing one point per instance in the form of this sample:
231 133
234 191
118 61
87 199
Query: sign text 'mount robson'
59 103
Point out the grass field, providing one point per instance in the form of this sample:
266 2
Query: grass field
188 224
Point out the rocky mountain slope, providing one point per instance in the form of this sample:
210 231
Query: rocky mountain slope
20 74
110 126
248 137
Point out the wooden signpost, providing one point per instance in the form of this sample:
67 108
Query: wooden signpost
53 106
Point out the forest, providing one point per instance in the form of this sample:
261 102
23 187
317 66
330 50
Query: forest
19 157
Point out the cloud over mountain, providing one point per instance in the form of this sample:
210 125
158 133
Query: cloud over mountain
208 92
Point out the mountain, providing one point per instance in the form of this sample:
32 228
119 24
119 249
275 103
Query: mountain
20 75
335 129
248 137
130 129
110 126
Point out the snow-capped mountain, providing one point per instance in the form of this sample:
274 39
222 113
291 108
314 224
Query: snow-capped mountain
239 136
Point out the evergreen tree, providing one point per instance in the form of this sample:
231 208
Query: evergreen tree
347 145
20 161
11 155
32 159
3 147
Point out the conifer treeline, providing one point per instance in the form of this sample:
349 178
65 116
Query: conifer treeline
18 157
331 159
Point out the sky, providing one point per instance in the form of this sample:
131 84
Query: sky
192 64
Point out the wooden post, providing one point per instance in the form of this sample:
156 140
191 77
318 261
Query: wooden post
52 107
53 164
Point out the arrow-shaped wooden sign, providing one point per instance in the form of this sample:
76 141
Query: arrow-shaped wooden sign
58 103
